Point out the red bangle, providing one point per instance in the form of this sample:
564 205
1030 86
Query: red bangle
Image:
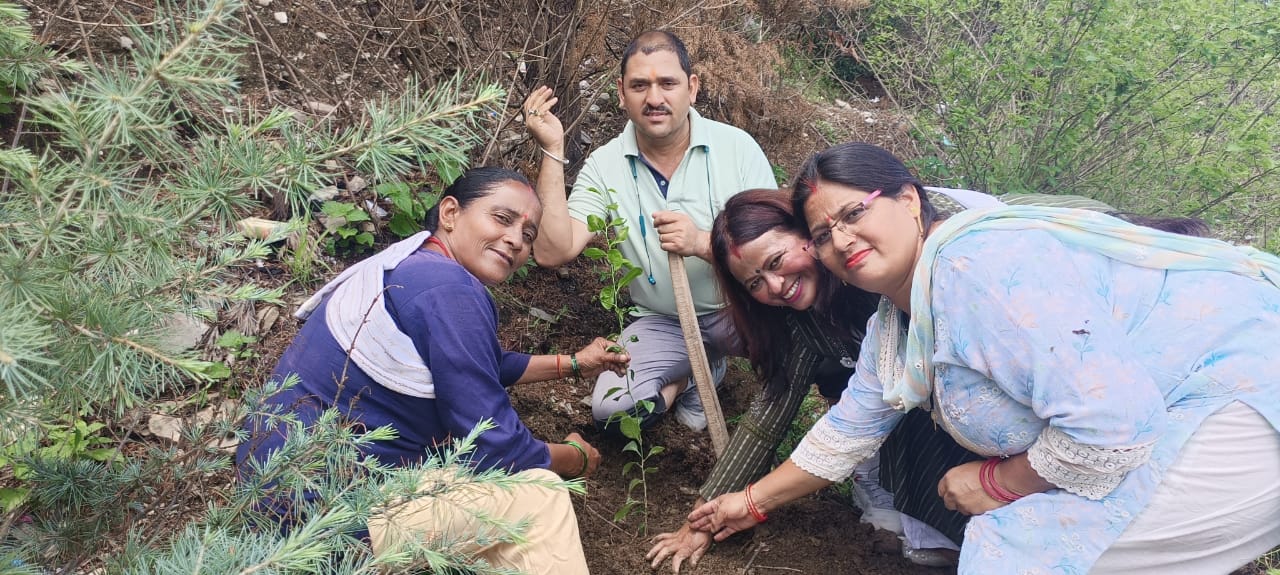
993 489
751 507
559 374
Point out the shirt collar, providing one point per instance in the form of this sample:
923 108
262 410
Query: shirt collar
698 135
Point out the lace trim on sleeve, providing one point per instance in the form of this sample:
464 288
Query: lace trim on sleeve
1085 470
831 455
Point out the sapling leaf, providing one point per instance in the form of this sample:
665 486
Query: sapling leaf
593 253
624 511
656 450
616 259
630 276
610 393
630 427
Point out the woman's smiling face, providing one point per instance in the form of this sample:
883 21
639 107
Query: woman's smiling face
877 252
776 270
493 235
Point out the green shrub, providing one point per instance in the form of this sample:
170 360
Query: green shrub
115 223
1164 106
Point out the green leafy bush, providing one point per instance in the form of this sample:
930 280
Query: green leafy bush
1163 106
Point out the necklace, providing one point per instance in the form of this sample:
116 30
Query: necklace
846 358
837 343
440 244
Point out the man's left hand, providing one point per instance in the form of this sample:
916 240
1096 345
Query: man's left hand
679 235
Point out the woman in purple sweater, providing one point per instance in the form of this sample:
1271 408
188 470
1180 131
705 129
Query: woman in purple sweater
408 338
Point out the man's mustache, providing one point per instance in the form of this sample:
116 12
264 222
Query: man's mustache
648 108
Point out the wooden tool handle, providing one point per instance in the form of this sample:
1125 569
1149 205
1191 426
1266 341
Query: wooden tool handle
698 355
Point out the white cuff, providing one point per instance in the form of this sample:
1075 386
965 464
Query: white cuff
1085 470
831 455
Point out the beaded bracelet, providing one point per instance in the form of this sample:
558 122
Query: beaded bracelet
751 506
585 461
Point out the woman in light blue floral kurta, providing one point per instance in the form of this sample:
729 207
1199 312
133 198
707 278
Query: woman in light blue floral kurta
1083 351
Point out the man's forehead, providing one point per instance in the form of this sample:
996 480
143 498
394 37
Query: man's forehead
661 62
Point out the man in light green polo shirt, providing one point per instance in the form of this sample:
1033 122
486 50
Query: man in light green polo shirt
671 171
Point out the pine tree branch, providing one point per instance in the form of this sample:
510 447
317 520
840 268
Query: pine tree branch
440 115
147 351
195 31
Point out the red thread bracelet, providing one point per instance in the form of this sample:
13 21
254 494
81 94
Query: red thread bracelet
751 507
559 373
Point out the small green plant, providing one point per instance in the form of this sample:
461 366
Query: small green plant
302 257
522 272
238 344
616 272
408 207
64 441
811 409
73 440
780 174
1269 562
345 235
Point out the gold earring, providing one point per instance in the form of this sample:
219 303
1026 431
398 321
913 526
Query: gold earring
448 227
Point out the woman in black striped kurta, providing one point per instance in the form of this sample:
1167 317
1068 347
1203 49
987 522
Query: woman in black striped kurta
793 347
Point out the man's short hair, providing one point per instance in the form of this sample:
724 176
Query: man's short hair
657 41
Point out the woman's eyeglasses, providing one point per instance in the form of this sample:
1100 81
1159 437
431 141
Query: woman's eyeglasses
820 245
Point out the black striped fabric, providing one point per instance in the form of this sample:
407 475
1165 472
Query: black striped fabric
752 447
913 460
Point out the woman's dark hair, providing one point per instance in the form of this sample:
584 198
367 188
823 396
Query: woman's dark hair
1175 225
869 168
862 166
745 217
472 185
